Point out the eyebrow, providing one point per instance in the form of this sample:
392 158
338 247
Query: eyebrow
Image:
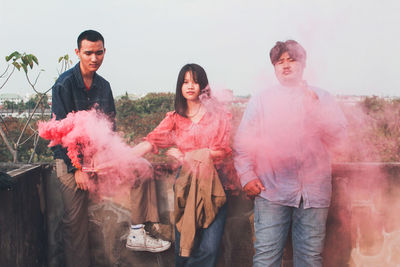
289 57
93 51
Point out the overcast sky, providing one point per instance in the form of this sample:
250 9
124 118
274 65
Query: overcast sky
352 45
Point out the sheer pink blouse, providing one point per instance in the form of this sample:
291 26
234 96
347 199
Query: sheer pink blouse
212 131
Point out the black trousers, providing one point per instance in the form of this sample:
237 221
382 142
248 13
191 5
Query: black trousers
75 219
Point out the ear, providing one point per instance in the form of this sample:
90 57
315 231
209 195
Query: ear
104 50
77 52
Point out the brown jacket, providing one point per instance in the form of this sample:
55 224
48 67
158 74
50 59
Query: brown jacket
198 196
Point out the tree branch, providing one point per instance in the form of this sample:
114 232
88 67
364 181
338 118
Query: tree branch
37 77
27 139
5 125
4 73
35 141
7 78
12 151
30 118
31 84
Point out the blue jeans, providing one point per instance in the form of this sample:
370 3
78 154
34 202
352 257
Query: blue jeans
206 243
271 224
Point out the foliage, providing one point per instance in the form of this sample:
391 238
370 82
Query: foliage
29 105
372 104
10 105
136 118
65 62
373 131
13 130
22 60
16 142
384 127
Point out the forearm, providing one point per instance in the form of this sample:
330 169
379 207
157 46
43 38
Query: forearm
244 161
142 149
217 154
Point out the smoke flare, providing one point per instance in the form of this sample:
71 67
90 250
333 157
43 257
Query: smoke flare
91 142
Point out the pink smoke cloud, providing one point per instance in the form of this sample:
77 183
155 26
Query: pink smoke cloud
90 141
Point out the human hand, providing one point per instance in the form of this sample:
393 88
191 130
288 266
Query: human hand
104 167
82 180
253 188
175 153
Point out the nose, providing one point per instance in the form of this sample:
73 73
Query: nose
190 84
286 64
93 57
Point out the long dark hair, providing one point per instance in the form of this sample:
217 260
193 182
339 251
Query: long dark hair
199 76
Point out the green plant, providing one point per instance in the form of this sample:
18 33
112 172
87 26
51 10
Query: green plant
16 142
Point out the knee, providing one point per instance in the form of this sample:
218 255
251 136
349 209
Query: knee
268 255
309 244
311 248
268 251
75 214
144 169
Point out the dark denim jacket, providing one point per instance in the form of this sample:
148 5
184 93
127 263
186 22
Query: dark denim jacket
70 94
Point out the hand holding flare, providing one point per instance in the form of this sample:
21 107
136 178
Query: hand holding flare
254 188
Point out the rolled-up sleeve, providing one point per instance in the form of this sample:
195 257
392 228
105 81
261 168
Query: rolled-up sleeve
244 158
163 135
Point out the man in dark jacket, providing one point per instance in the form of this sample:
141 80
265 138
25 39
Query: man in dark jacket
79 88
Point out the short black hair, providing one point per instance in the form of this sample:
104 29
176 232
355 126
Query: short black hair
90 35
295 50
199 76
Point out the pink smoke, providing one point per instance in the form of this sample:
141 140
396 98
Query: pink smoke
91 142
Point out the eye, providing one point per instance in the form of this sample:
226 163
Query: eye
99 53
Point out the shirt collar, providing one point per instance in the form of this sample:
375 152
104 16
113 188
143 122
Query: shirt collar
293 90
78 75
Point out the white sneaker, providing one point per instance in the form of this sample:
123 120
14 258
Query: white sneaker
140 240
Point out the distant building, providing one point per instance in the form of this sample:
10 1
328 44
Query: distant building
355 99
30 96
10 97
350 100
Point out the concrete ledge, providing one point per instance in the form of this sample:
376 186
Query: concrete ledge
22 220
362 221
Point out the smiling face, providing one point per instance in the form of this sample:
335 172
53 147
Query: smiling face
91 55
288 70
190 88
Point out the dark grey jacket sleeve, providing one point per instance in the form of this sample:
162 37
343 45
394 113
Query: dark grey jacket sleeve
58 109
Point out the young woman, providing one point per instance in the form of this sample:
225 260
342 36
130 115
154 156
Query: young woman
198 124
